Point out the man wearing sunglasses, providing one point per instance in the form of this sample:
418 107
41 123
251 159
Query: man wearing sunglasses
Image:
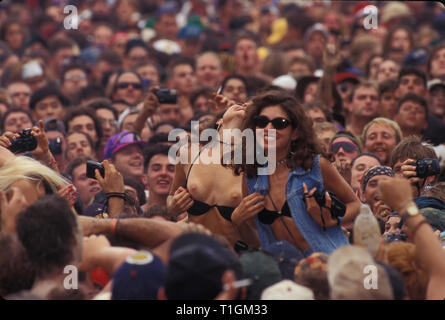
345 146
128 87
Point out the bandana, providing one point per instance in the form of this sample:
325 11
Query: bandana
376 171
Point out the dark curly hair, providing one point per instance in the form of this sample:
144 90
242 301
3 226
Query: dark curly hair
48 231
303 150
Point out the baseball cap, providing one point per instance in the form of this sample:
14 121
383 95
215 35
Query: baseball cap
190 31
287 290
435 82
196 266
340 77
317 27
415 58
139 277
121 140
285 81
52 124
262 269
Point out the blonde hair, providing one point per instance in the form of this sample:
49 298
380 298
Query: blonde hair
384 122
402 256
29 169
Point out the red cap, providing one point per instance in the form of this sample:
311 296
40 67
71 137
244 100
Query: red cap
346 76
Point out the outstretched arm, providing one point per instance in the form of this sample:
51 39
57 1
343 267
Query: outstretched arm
334 182
397 194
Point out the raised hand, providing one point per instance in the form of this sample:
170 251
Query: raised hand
248 208
314 209
182 201
113 180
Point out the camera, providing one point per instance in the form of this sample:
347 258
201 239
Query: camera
427 167
91 168
393 237
26 142
338 208
55 146
166 96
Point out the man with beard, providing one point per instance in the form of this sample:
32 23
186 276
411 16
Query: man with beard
158 173
380 137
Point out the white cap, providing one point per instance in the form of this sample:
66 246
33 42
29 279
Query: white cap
287 290
167 46
435 82
286 82
31 69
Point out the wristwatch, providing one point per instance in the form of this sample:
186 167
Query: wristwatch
411 211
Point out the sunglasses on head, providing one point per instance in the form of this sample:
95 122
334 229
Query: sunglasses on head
347 147
277 123
124 85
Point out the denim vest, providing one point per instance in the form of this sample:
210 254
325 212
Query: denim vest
318 239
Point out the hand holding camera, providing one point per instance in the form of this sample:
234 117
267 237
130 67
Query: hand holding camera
323 206
109 178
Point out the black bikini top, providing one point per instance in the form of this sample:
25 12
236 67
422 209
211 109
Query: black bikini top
199 208
268 217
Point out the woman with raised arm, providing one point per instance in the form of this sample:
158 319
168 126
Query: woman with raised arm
210 193
291 213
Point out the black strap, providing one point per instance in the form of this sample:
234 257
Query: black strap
193 162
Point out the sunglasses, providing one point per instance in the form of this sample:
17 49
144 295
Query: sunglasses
124 85
277 123
347 147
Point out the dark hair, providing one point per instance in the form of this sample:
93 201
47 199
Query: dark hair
159 148
387 41
102 103
110 56
13 110
139 187
120 73
368 64
413 98
162 123
233 76
318 105
388 85
409 71
48 231
91 91
45 92
202 91
135 43
302 84
349 135
73 164
60 43
16 271
83 111
161 137
180 60
435 50
303 150
75 65
411 148
368 154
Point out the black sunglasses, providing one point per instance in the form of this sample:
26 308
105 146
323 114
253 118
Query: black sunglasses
277 123
124 85
347 146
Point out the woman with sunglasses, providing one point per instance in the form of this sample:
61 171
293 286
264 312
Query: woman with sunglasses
291 213
210 193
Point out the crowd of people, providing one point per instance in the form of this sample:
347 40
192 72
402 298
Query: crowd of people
349 100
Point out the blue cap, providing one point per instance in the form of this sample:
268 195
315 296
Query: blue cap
190 31
415 58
